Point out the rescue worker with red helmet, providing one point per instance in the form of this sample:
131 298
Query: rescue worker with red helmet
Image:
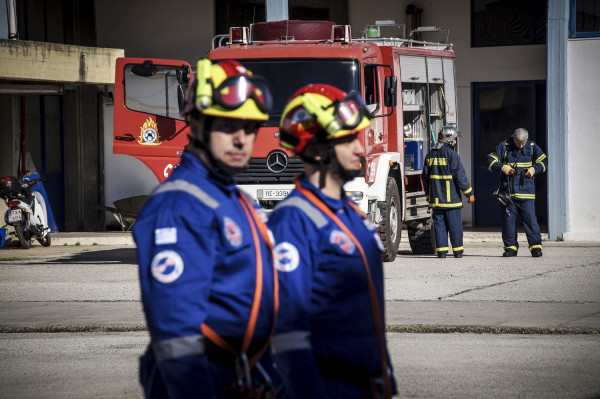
444 179
330 335
208 282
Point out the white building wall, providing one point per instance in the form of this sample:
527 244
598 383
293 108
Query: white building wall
583 81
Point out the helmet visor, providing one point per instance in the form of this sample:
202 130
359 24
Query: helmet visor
350 110
236 90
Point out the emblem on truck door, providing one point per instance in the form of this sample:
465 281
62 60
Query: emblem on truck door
277 161
149 133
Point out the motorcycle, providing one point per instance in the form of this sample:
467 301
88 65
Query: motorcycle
27 211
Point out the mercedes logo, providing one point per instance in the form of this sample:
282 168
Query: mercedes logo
277 161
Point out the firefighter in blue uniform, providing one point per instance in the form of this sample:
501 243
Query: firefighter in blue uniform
330 335
207 276
444 179
518 160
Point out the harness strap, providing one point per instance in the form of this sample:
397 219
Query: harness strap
255 222
372 294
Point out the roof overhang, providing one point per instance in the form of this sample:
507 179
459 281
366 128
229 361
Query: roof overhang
52 63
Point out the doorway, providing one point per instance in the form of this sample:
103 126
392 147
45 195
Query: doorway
498 109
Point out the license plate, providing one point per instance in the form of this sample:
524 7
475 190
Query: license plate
15 215
275 194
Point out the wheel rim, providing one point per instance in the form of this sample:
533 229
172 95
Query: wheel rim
393 222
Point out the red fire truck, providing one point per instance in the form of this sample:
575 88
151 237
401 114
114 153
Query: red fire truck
407 83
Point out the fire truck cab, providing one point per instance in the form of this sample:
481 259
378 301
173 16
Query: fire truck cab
407 83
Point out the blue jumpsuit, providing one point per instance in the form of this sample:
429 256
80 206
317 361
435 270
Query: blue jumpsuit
329 340
444 179
198 269
522 191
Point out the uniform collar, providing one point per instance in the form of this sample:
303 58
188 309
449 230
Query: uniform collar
332 203
201 173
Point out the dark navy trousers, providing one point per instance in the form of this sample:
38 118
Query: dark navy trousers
526 210
448 221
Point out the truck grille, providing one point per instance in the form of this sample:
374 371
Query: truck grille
258 172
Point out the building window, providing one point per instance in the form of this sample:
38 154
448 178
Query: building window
585 18
508 22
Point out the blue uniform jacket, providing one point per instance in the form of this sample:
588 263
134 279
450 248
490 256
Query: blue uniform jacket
325 308
506 153
197 264
444 178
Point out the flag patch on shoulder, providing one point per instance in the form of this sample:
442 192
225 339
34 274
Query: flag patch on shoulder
165 235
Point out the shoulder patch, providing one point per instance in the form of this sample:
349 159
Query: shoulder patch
340 239
232 231
286 257
165 235
167 266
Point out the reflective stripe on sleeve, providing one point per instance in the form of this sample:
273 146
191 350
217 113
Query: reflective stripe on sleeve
313 213
291 341
192 189
178 347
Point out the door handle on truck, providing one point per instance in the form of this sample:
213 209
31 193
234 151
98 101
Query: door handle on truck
129 137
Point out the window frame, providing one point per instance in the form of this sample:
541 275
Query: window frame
573 33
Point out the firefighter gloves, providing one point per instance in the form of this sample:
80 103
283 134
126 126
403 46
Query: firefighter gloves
530 171
507 170
471 199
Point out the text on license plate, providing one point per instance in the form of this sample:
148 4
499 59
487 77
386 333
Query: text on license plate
275 194
15 215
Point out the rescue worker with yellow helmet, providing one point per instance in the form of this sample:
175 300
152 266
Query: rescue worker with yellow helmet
208 283
330 336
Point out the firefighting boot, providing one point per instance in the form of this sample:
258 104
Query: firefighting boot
509 253
536 252
458 255
441 255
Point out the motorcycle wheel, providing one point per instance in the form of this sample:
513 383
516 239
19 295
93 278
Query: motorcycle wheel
22 235
45 241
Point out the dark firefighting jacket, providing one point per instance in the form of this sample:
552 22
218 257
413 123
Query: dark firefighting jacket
444 178
506 153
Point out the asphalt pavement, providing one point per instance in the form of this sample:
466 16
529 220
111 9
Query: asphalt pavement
482 292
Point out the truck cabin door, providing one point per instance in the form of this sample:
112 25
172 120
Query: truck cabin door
147 100
380 98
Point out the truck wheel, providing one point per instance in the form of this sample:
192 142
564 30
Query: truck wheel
422 241
390 227
22 235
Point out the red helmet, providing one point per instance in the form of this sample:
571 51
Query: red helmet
224 89
320 112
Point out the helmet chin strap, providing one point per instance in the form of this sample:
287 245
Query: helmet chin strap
216 166
337 168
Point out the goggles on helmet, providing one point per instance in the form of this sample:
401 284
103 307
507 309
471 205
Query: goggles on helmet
234 91
347 113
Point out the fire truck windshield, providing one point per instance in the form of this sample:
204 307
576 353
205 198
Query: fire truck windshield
285 76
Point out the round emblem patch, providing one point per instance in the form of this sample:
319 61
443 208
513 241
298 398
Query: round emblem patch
232 232
287 257
167 266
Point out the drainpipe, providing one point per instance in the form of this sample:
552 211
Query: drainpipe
12 20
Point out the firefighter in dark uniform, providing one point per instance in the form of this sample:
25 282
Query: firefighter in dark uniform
518 160
330 336
444 179
207 276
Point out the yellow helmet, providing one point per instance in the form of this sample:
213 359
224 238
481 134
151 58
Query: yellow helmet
320 112
224 89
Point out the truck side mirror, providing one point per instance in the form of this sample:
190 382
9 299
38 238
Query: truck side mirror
181 90
183 75
390 94
145 69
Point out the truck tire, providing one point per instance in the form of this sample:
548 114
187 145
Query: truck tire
22 235
422 241
390 227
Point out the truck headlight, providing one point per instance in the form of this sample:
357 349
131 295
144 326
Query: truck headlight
355 196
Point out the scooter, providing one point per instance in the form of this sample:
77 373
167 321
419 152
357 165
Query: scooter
27 211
